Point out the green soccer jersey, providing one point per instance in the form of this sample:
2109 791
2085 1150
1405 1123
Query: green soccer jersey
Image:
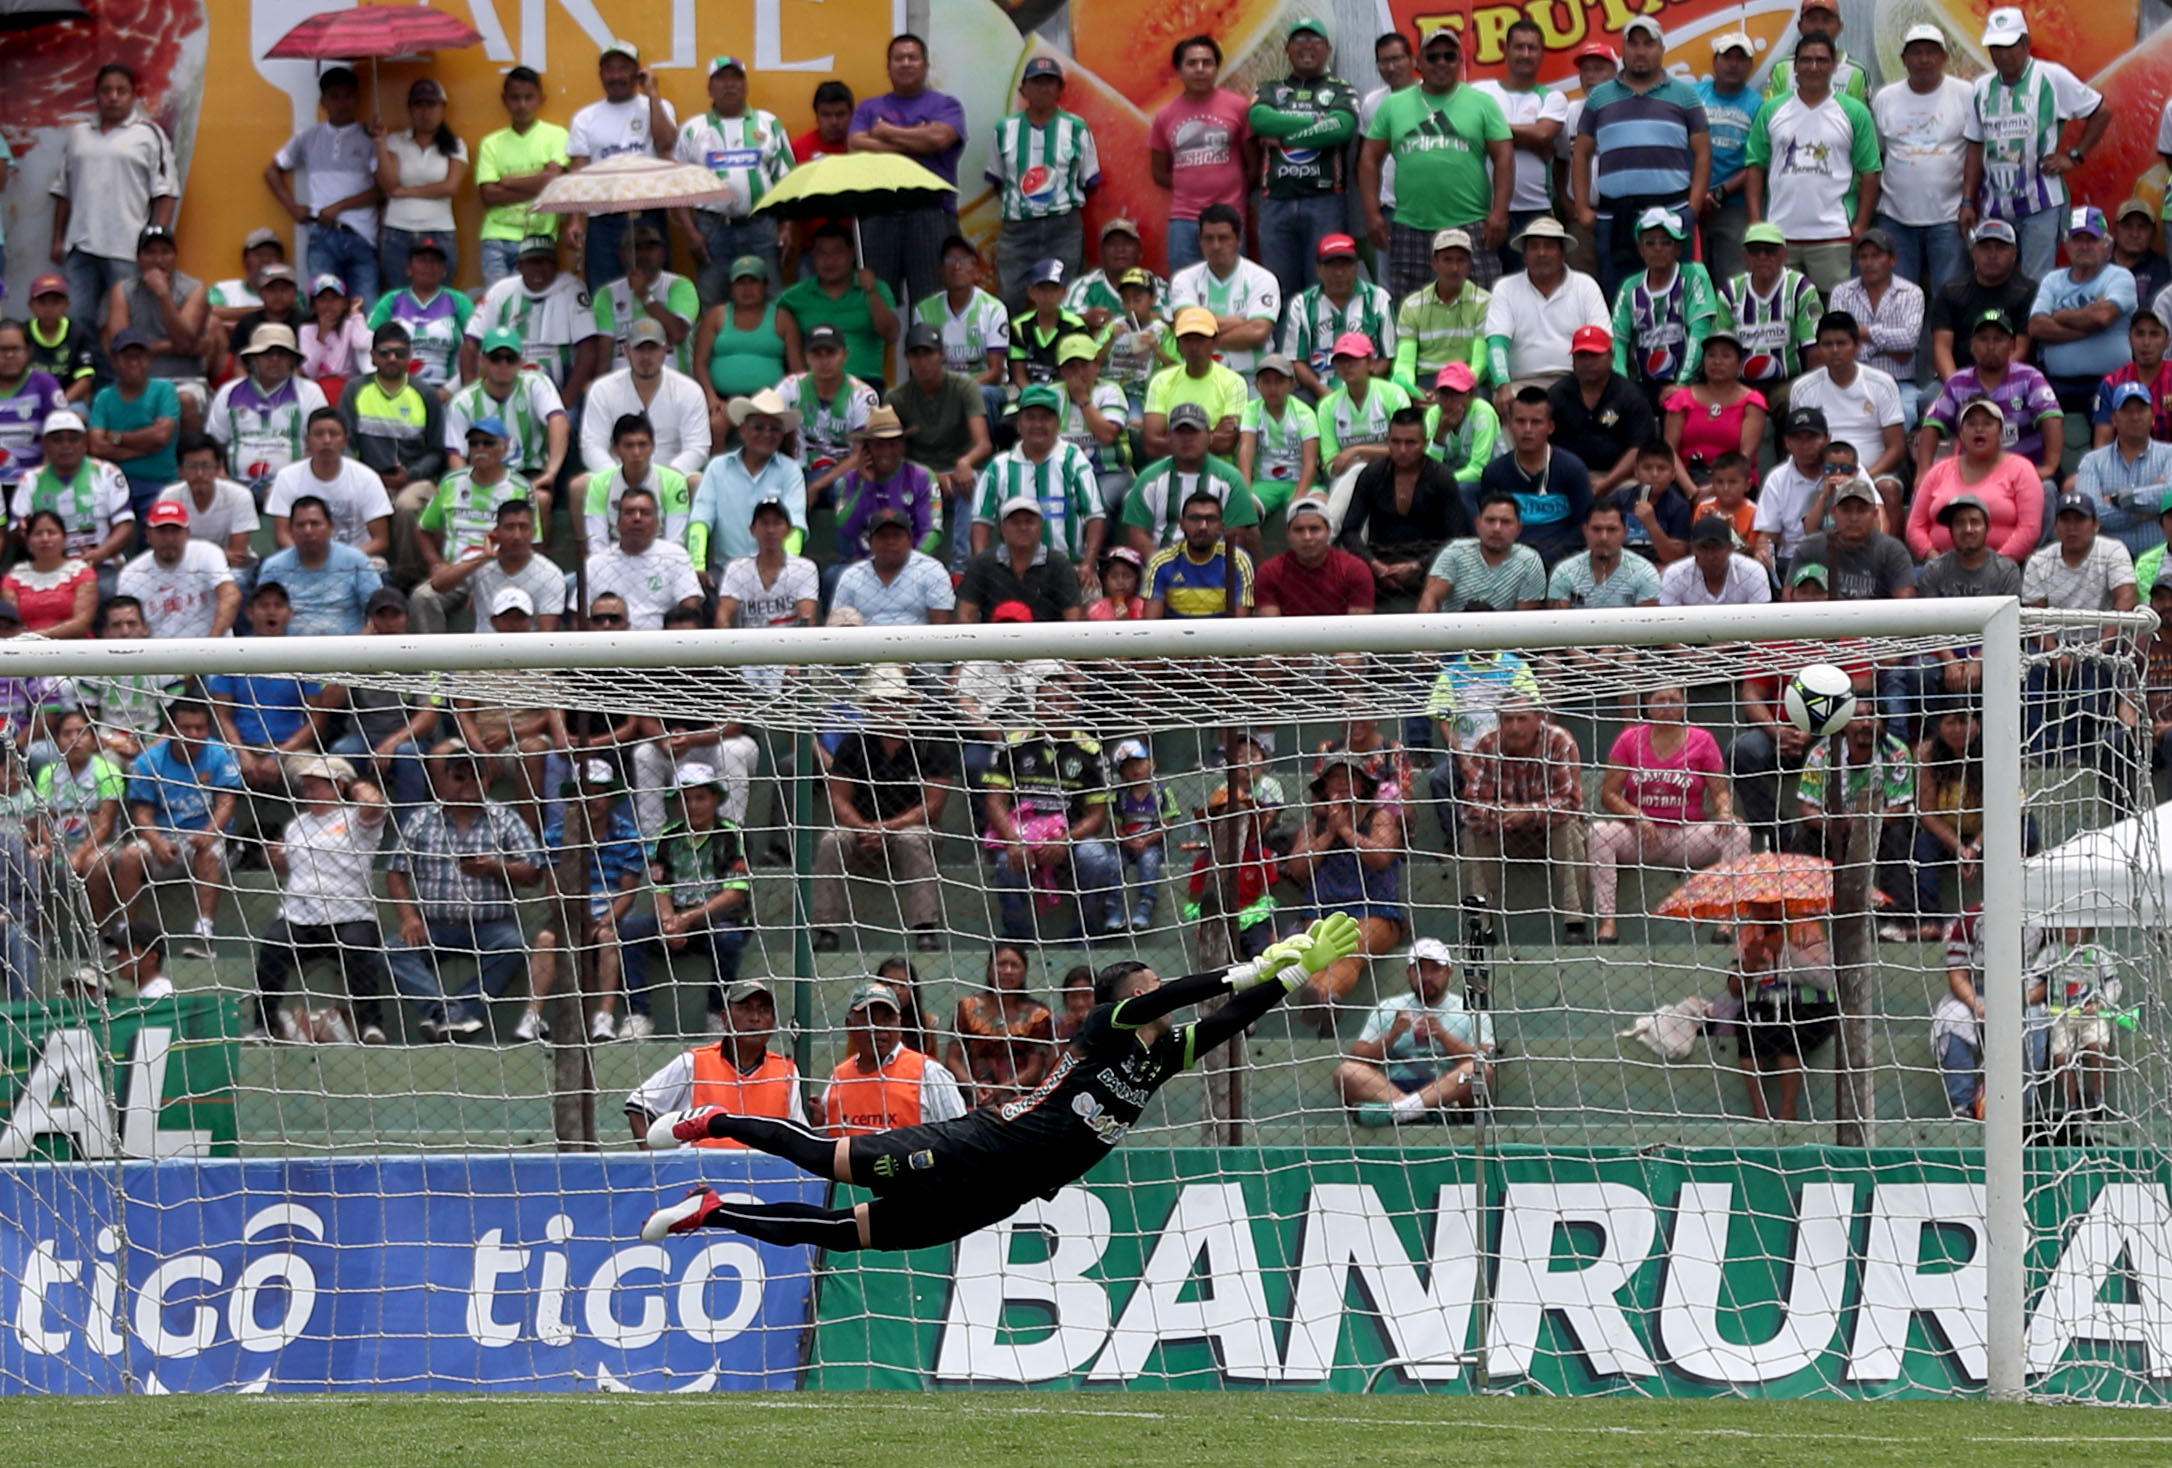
674 505
1307 122
1156 501
1278 452
1042 169
463 512
1439 147
969 334
1468 449
1063 484
1659 333
1315 323
1773 326
617 311
1346 423
1430 333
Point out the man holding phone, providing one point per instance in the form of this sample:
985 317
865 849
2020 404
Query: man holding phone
632 118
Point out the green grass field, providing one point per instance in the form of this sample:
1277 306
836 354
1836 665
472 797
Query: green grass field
1019 1431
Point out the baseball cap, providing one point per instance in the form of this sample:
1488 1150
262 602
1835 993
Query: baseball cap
617 47
1431 949
501 339
1456 377
824 336
326 281
271 336
259 237
2134 206
1046 272
62 420
749 267
151 234
1545 227
888 519
300 767
1131 749
1010 611
882 422
2088 220
1710 528
1806 420
1928 33
1982 405
1961 502
385 598
538 244
1810 571
1877 235
1121 225
1662 218
694 774
1019 502
1831 7
1441 33
1041 395
1764 234
1994 229
1337 247
866 996
648 331
1125 554
49 284
726 63
1188 415
511 599
1595 51
596 776
1994 318
1143 279
768 502
2077 503
2130 392
1353 344
431 244
1591 339
277 270
1857 488
1195 321
1646 24
490 426
2005 26
923 338
167 512
1276 362
744 989
1306 505
1452 239
1041 66
1734 41
1310 23
134 336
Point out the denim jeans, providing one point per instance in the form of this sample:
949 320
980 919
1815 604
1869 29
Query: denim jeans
496 945
1097 874
1144 887
403 780
602 260
1183 244
394 246
500 258
334 250
91 279
1960 1063
641 936
727 240
1290 231
2038 236
20 956
1929 254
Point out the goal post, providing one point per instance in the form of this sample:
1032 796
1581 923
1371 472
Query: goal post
1562 1109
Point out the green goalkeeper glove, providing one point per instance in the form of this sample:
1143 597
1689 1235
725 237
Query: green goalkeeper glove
1301 955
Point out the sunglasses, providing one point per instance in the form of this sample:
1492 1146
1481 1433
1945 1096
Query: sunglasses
606 619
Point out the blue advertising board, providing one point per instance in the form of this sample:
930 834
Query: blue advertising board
471 1273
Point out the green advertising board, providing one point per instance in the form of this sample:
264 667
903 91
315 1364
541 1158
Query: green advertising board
1782 1273
138 1080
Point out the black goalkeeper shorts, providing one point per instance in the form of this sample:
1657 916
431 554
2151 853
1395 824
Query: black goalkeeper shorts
943 1160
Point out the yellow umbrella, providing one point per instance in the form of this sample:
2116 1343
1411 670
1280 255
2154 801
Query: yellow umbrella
856 186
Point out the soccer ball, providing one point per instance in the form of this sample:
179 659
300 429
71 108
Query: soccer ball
1820 699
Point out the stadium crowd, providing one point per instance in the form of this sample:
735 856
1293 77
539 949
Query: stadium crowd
1463 346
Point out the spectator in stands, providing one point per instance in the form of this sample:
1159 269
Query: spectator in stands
2145 365
739 1072
80 795
452 881
455 531
1878 777
1775 311
1663 312
650 574
1922 119
135 419
1770 744
1667 802
261 419
1446 323
1788 1009
1404 511
1950 799
631 119
975 326
218 509
1827 146
386 728
1991 284
1534 316
1669 163
1421 1053
1656 515
171 308
1199 380
702 895
1714 574
280 305
1036 331
879 480
718 529
1348 857
885 1083
737 348
327 909
1596 413
1202 575
55 594
1302 125
1314 577
1551 485
1794 484
339 155
59 345
31 395
770 588
1123 571
1465 430
1956 1024
1022 571
1492 568
2079 318
1864 563
1200 147
381 412
325 584
1886 308
186 586
1003 1039
649 292
946 423
116 174
616 869
90 496
896 586
2021 107
420 170
1600 575
833 406
1153 511
667 400
1278 448
127 711
1341 305
2068 706
353 496
335 339
859 306
1353 418
182 795
1523 799
511 167
2128 476
2006 487
526 402
633 447
1048 802
1862 407
266 717
549 314
926 125
887 791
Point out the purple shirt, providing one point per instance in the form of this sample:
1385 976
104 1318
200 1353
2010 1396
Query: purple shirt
22 416
2024 397
928 105
909 490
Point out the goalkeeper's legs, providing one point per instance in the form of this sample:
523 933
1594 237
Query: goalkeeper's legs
811 1151
842 1230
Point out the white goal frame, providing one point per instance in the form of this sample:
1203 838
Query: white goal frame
1994 621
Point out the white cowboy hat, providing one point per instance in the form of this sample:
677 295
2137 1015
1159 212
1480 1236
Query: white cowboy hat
768 404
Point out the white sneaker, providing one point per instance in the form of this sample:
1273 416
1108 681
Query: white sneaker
199 943
677 1128
638 1027
681 1217
290 1029
531 1030
605 1026
373 1035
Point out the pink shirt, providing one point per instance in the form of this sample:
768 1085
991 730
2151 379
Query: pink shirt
2013 492
346 353
1205 143
1105 609
1670 790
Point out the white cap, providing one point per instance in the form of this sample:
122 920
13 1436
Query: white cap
511 599
1432 948
1734 41
617 47
1131 749
1018 502
63 420
1645 23
1926 32
2005 26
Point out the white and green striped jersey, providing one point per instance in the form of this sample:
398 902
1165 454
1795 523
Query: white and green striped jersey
1314 321
527 411
1346 423
1430 333
1137 350
969 335
1155 503
2018 125
1280 451
749 153
599 509
1110 401
617 311
1063 484
826 427
1042 169
1094 288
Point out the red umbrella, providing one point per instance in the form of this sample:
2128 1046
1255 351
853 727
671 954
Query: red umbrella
373 32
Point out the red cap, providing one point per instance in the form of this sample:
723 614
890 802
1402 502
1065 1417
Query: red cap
1334 245
167 512
1595 50
1353 344
1591 339
52 283
1011 611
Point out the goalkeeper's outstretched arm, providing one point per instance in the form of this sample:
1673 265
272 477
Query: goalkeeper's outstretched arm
1258 985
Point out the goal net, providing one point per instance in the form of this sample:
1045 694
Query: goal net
1690 1054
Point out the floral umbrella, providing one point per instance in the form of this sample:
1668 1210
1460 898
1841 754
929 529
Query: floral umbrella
1772 886
630 183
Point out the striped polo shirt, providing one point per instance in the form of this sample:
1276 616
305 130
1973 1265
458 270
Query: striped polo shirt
1642 138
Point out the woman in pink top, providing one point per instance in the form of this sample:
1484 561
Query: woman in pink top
1119 601
1666 789
1200 147
336 345
2008 485
1719 414
55 594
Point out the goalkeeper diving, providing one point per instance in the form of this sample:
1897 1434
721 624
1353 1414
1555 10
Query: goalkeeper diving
935 1184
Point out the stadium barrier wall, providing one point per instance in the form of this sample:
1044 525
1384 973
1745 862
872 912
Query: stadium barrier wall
138 1080
393 1274
1829 1271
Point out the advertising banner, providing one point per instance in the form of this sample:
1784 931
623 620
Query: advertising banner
1783 1273
164 1069
518 1273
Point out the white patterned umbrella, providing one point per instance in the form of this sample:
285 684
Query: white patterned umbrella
630 183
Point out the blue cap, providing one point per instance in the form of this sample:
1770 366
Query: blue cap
2130 392
2079 503
494 426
